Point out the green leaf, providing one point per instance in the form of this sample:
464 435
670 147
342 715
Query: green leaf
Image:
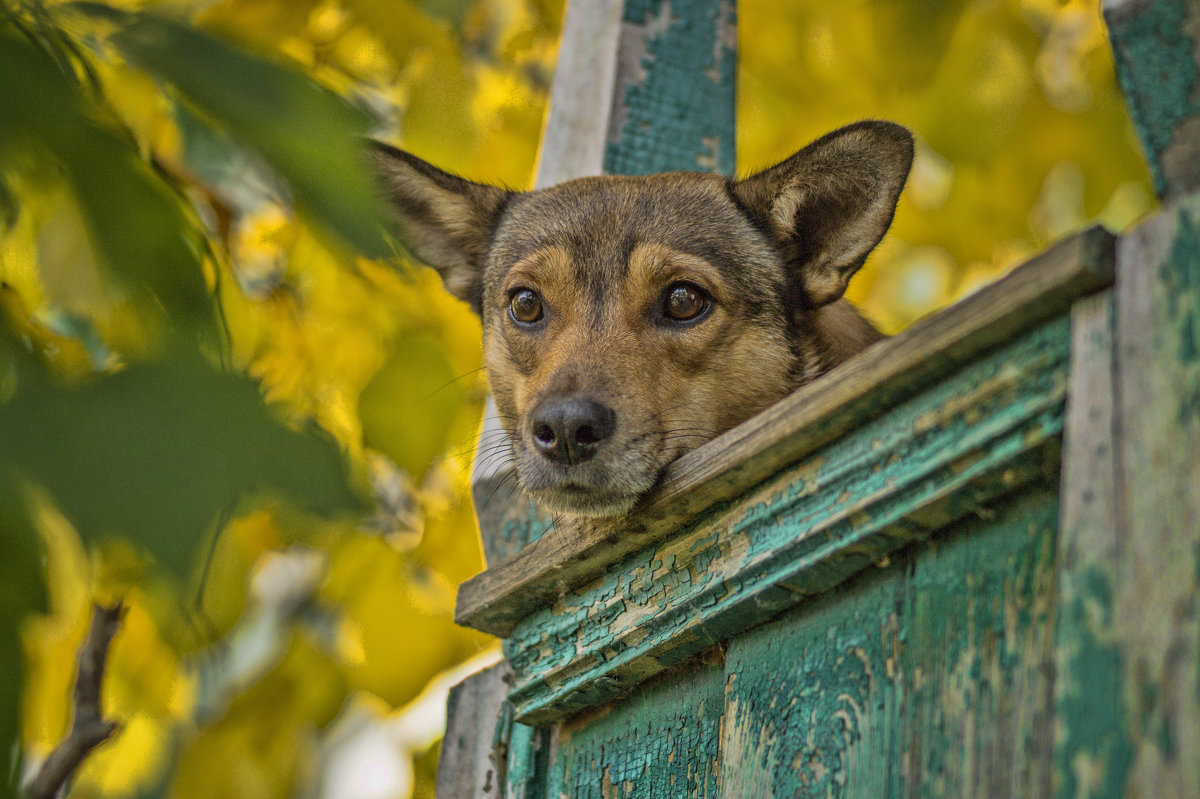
157 451
136 223
312 137
24 593
10 207
409 406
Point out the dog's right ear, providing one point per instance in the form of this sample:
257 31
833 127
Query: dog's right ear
828 205
445 220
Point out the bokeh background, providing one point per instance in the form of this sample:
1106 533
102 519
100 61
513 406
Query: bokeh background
226 399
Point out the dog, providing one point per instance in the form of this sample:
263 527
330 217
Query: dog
627 320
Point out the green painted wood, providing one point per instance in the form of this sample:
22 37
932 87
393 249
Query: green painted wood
529 757
1153 584
982 432
1156 44
662 741
1091 749
675 99
930 677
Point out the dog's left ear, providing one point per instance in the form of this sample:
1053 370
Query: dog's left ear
829 204
446 220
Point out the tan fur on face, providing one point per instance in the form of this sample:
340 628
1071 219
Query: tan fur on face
671 389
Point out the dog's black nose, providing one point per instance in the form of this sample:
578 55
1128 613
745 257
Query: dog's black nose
568 430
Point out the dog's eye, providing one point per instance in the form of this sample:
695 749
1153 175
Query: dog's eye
525 306
683 302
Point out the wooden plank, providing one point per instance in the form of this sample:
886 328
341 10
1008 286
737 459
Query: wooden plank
985 431
1156 45
1091 746
676 88
662 741
473 756
929 677
1155 580
581 98
861 389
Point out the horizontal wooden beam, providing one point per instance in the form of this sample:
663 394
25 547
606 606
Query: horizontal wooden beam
863 388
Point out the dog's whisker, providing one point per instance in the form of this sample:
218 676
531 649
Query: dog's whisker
447 385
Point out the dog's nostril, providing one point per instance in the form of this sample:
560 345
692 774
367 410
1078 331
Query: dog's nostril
544 433
587 436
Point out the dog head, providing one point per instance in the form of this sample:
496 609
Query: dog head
626 320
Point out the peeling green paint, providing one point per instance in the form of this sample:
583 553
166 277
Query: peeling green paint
923 679
662 741
1179 274
508 519
525 531
528 762
675 108
1157 69
1094 755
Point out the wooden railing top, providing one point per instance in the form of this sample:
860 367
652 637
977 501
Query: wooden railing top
816 414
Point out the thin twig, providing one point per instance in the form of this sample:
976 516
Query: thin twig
88 727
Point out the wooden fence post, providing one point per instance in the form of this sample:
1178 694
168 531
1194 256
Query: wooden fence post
1128 642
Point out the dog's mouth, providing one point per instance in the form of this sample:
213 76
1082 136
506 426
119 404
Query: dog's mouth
579 499
608 485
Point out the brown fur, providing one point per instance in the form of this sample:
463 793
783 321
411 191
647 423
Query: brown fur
773 252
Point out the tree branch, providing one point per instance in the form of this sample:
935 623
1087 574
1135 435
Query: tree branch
88 727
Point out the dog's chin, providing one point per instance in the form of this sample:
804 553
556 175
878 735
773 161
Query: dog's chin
590 490
576 500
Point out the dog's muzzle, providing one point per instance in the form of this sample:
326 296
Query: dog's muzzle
569 430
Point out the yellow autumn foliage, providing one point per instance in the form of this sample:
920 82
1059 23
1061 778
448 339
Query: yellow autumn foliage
230 683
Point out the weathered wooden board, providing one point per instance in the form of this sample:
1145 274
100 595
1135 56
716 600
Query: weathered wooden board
862 389
1091 753
660 742
930 677
989 428
472 762
1156 44
1153 585
674 104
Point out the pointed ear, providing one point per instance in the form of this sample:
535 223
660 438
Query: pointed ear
445 220
829 204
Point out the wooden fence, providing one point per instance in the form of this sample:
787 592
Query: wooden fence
965 563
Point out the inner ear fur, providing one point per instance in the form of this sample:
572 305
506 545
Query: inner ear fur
829 205
445 220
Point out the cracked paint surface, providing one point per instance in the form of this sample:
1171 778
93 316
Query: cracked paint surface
1154 44
929 678
674 103
663 741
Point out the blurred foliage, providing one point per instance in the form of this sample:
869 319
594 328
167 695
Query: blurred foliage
206 372
1022 132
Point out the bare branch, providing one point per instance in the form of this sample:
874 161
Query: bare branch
88 727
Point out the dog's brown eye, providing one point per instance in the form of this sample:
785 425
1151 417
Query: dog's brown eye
525 306
684 301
